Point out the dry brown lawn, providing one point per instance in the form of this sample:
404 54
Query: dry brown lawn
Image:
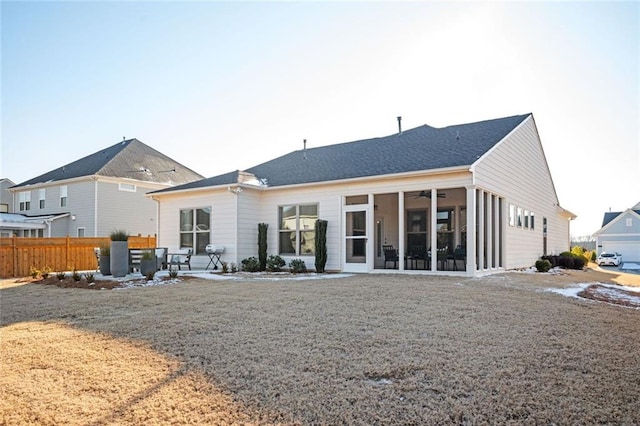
368 349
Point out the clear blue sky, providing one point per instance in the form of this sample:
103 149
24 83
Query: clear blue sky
220 86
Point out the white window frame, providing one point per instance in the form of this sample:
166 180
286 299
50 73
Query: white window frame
629 222
512 215
24 199
42 196
127 187
299 231
63 196
195 231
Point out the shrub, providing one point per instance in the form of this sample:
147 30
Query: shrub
262 245
566 260
148 255
89 276
297 266
275 263
34 272
45 272
76 275
543 265
225 267
577 251
105 250
60 275
251 264
234 267
173 273
321 245
149 275
119 235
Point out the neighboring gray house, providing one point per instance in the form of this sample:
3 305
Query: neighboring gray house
6 197
96 194
480 192
620 233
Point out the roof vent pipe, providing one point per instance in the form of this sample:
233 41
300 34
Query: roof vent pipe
304 153
399 125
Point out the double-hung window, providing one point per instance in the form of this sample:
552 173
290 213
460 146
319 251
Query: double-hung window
297 234
41 197
63 196
195 229
25 200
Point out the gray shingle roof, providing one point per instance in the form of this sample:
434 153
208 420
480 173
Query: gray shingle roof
421 148
609 216
127 159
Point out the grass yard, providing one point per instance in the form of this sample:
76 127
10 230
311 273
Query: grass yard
362 350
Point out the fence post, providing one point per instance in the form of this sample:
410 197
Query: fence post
66 252
14 241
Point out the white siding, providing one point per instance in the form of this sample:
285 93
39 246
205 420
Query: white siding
248 219
223 221
517 170
117 209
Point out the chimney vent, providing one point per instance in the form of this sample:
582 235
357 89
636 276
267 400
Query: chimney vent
399 124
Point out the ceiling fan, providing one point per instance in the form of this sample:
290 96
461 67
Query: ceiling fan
427 194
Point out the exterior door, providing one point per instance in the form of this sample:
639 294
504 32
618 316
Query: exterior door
355 239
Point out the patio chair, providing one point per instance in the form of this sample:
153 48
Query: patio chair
390 255
460 253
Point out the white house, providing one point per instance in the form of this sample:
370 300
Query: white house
482 188
620 233
94 195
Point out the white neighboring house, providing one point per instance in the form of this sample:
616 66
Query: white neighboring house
482 188
94 195
620 233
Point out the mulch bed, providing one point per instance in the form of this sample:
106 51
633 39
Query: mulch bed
615 296
69 282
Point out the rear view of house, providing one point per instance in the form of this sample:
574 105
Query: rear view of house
468 198
94 195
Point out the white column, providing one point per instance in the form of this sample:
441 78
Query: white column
471 230
434 226
489 230
371 226
497 230
481 229
401 228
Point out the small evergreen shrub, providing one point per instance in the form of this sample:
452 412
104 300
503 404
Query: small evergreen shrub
76 275
275 263
297 266
173 273
89 276
543 265
234 267
60 275
251 264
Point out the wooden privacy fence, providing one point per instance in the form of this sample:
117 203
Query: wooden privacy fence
18 255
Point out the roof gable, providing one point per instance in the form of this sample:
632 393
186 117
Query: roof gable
130 159
419 149
612 218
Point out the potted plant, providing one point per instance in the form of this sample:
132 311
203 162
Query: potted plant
119 261
105 259
148 263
